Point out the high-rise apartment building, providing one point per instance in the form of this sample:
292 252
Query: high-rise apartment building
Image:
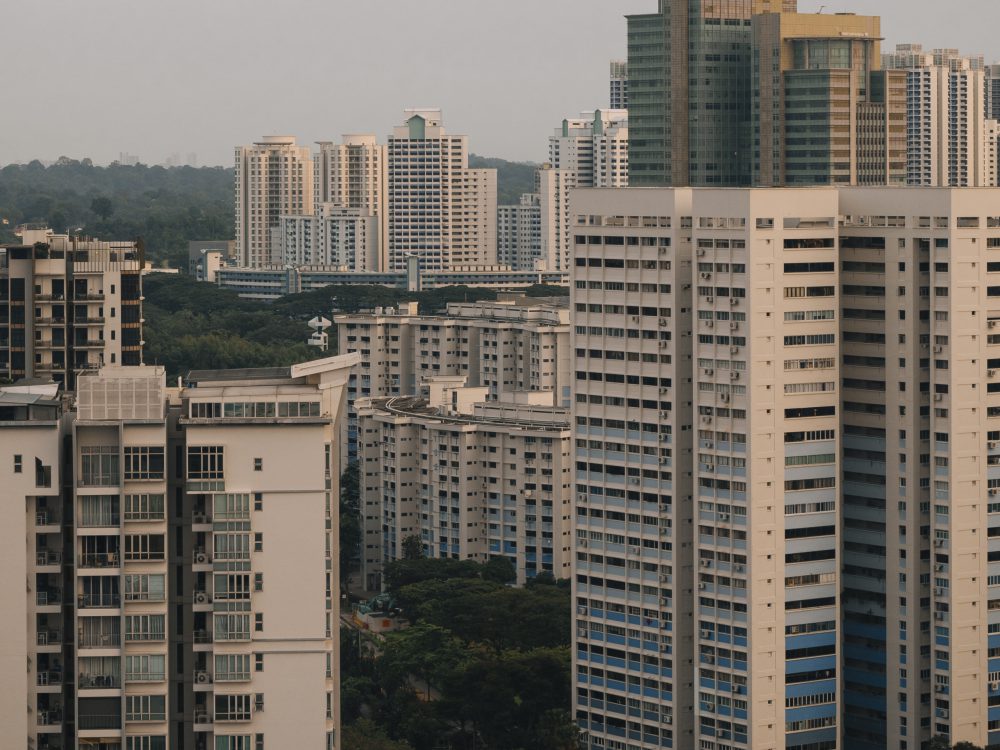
173 599
68 304
519 233
274 177
823 111
690 92
945 116
513 344
992 75
331 237
618 85
824 570
472 480
353 175
585 152
440 211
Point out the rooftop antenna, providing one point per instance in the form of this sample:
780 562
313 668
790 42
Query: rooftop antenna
821 9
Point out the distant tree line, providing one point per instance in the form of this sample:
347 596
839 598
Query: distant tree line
166 207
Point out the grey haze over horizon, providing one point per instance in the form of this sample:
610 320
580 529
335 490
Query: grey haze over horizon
96 78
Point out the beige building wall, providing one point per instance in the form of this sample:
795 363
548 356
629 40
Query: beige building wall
274 176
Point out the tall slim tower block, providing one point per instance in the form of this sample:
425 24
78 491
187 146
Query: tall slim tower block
274 176
440 211
824 114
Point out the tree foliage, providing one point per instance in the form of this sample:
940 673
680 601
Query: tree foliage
350 519
166 207
365 734
483 665
514 178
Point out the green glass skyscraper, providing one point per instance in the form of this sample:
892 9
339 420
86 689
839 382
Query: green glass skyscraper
690 93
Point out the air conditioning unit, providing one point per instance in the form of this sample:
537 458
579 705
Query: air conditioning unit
940 688
581 610
734 376
202 598
709 467
702 585
939 397
938 591
734 350
706 275
725 398
201 558
991 445
992 324
738 568
665 648
664 389
734 301
710 323
723 516
938 349
734 326
939 542
665 414
991 373
581 632
635 318
705 563
994 686
633 480
939 615
709 371
199 518
635 550
706 420
664 321
710 299
664 344
581 543
202 678
668 719
706 633
939 567
701 251
664 578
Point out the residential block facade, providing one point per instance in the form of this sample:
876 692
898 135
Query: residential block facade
470 480
68 305
274 177
810 568
172 597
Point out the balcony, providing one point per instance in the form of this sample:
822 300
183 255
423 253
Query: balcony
203 636
50 677
50 717
49 637
202 716
89 344
48 557
99 682
99 721
47 518
99 560
100 640
50 598
98 601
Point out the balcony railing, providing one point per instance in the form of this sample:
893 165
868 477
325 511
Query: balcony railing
99 721
100 640
202 636
48 558
100 682
202 717
50 717
49 637
48 598
98 601
47 518
99 560
50 677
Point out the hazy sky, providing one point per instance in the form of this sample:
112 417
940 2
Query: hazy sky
157 77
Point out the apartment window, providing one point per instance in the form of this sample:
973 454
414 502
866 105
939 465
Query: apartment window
232 627
232 586
232 708
258 662
258 464
258 501
258 741
205 462
98 510
144 507
144 588
143 547
99 466
258 622
231 546
145 708
231 507
145 668
232 742
144 627
232 667
146 742
18 463
143 462
258 541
